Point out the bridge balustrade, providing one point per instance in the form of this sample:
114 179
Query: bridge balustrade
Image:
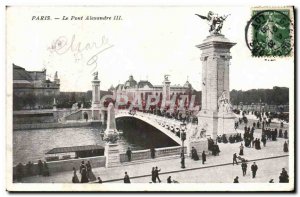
146 154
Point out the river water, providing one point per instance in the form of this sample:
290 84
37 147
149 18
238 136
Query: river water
31 145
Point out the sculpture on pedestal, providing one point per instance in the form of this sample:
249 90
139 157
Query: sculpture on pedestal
95 75
216 116
216 22
224 104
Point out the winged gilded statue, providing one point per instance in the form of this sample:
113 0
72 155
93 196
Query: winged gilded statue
215 22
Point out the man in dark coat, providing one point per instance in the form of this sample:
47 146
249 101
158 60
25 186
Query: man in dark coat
285 134
156 174
254 169
203 157
128 153
153 177
152 150
285 147
126 178
244 168
234 159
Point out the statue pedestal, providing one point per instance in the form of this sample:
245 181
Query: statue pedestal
208 120
215 59
112 154
200 145
226 124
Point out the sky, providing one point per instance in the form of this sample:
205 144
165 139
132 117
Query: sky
148 42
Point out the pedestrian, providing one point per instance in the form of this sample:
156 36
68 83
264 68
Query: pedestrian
285 147
284 176
29 167
153 177
241 149
235 159
40 167
264 140
128 153
99 180
126 178
195 156
19 171
75 177
244 167
236 180
84 177
156 174
81 167
152 150
254 169
203 157
45 169
169 179
285 134
90 173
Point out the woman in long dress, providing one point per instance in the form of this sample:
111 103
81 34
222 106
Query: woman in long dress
84 177
90 173
75 177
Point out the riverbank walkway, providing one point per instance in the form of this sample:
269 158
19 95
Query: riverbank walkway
270 160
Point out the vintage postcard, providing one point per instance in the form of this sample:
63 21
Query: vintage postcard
150 98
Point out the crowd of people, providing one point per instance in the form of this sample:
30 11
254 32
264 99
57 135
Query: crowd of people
195 156
283 178
214 148
85 170
31 169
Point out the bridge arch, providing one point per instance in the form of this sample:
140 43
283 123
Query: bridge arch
153 123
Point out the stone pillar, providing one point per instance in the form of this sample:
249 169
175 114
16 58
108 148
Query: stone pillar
215 83
96 98
54 105
111 136
166 91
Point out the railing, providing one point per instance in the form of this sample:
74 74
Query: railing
146 154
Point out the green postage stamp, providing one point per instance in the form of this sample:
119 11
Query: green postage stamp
271 32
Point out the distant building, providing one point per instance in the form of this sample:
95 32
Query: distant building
131 88
34 84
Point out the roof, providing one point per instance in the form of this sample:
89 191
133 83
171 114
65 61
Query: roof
74 149
142 84
130 83
119 87
20 73
187 85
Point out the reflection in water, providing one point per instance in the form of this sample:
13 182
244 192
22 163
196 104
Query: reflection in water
31 145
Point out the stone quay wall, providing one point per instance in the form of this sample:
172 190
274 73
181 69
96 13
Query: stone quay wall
54 125
67 165
146 154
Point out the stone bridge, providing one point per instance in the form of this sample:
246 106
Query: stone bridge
169 127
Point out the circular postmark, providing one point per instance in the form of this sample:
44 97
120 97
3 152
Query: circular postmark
270 35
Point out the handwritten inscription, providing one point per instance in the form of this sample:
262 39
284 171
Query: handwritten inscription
63 45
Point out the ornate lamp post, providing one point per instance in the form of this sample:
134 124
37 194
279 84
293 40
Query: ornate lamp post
183 138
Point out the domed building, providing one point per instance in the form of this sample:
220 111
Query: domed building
131 88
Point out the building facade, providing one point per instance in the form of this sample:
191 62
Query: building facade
34 87
142 89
